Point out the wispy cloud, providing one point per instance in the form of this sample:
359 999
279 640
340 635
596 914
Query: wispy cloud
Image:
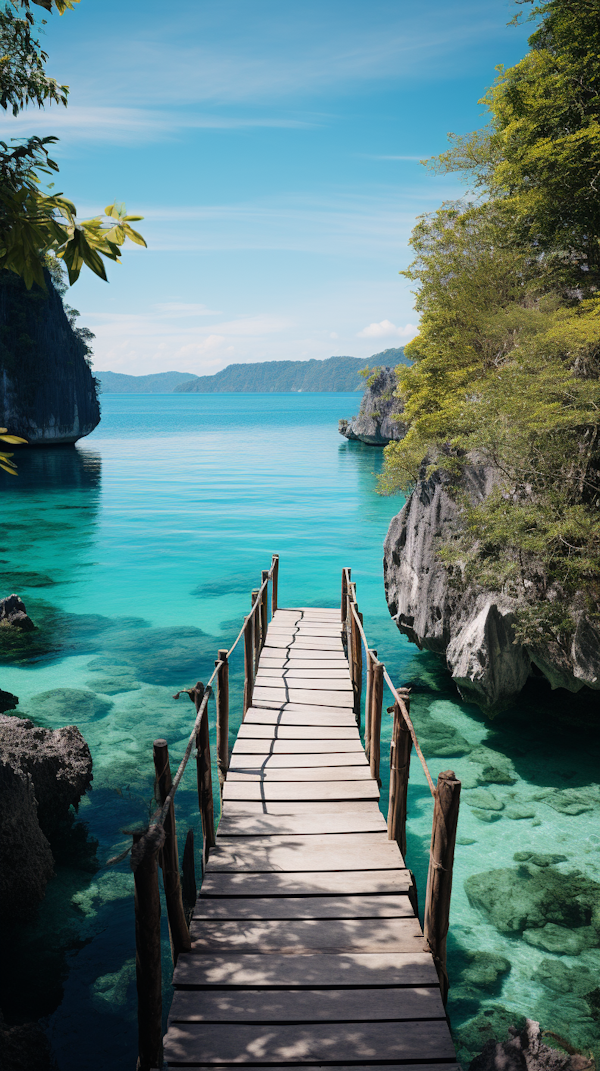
386 329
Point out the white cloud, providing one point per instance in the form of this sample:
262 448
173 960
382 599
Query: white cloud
333 334
386 329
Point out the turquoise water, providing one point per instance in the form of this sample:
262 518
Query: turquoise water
136 553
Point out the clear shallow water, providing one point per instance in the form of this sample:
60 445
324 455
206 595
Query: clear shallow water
136 553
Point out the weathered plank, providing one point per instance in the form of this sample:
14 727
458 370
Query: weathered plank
245 760
275 659
350 969
328 851
296 807
309 1005
332 612
302 936
305 628
305 907
286 693
304 649
252 746
320 683
301 773
244 1044
285 733
276 713
300 790
367 820
316 672
313 883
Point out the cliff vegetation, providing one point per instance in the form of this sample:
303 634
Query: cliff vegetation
505 371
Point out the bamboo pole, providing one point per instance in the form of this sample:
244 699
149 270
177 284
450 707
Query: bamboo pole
189 889
264 608
169 858
439 877
368 702
204 775
376 706
256 629
399 772
275 584
222 717
248 668
147 962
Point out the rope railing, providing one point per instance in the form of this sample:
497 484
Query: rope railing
446 794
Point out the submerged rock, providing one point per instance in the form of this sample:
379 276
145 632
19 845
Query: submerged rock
76 704
8 701
42 774
474 628
529 897
526 1051
14 615
374 423
560 940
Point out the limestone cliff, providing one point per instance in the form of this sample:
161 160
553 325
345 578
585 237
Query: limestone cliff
374 423
47 390
472 627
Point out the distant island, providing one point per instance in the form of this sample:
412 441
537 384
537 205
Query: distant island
277 377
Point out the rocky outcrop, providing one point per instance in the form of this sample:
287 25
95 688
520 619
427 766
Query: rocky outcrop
8 701
14 615
47 390
42 774
472 627
526 1051
374 423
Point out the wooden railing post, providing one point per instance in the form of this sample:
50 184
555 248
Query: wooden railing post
356 661
222 717
189 889
248 666
147 961
399 772
376 705
275 584
256 629
169 857
264 608
371 655
345 578
439 877
204 774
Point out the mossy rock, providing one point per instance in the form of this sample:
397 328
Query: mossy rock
491 1025
555 975
484 799
560 940
68 705
528 897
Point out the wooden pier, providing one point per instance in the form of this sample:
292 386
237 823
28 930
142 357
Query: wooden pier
304 947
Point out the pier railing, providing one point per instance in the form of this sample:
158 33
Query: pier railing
157 845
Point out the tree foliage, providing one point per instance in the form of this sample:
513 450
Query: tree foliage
34 222
507 362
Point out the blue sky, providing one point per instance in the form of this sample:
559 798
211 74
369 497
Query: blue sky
273 150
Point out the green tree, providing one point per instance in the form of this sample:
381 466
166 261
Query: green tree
34 223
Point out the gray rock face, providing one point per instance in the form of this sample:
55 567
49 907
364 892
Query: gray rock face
47 390
14 615
525 1051
374 424
42 774
474 628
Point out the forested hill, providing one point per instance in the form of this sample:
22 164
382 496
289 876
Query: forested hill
332 374
157 383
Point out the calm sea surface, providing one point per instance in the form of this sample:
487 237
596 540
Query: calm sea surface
136 553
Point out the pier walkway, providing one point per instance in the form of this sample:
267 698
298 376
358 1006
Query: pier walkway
305 946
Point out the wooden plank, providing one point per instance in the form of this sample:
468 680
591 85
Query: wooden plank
305 907
308 1005
315 673
296 807
312 883
334 971
240 1043
301 773
268 731
304 648
368 820
275 659
245 760
251 746
298 852
300 790
277 713
318 683
313 627
303 936
332 612
285 693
